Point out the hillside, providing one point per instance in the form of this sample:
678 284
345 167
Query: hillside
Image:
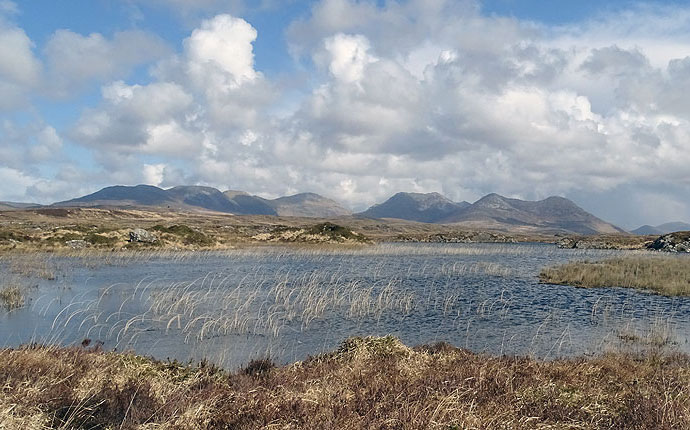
554 214
551 214
203 197
17 205
208 198
249 205
430 207
120 195
667 228
308 205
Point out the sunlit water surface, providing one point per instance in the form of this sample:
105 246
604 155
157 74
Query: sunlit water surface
230 307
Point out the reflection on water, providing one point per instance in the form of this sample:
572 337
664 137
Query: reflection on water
229 307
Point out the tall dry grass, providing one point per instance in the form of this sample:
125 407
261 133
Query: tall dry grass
367 383
11 297
668 275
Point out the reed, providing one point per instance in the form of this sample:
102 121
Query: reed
11 297
667 275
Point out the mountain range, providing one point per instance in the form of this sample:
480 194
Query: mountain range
658 230
554 214
208 198
430 207
17 205
551 215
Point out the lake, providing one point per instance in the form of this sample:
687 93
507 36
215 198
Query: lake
287 303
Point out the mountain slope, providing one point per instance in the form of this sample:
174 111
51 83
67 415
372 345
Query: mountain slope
308 205
551 214
208 198
249 205
669 227
120 195
202 197
18 205
646 230
429 207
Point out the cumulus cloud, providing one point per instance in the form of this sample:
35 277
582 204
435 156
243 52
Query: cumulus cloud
75 60
20 69
201 109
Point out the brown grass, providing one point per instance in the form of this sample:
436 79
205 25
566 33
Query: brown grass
11 297
48 229
371 383
663 275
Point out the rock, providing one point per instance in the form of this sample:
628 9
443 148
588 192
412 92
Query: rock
672 242
141 235
77 244
567 243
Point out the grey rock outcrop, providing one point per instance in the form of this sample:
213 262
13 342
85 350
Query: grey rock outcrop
141 235
673 242
77 244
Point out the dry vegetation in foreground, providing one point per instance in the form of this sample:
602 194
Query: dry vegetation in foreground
371 383
664 275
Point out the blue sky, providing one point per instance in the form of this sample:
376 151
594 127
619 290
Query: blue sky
353 99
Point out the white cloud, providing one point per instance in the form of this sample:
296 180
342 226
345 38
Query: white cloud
220 52
15 184
20 70
154 174
348 56
75 60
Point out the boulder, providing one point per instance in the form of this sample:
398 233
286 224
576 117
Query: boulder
567 243
672 242
76 244
141 235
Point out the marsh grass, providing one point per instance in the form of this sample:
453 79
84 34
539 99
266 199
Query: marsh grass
664 275
367 383
42 266
11 297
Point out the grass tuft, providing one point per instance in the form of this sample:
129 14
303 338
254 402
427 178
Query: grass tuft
11 297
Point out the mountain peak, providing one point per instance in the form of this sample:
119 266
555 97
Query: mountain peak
422 207
308 205
551 214
666 228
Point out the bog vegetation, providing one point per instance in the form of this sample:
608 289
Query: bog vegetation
668 275
367 383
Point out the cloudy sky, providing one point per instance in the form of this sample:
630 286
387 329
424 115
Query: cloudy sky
352 99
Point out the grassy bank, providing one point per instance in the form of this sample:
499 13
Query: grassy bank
367 383
51 229
664 275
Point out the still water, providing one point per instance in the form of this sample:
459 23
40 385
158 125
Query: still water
229 307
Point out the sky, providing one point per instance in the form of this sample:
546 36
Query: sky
352 99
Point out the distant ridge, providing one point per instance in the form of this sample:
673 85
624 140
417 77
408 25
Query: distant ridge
430 207
554 214
669 227
493 211
209 198
18 205
308 205
120 195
